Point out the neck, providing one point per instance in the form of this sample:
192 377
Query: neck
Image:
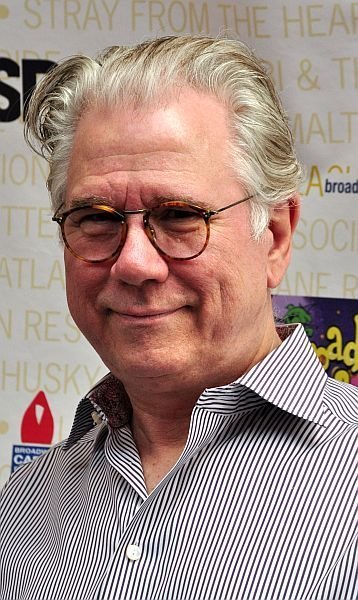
162 406
160 437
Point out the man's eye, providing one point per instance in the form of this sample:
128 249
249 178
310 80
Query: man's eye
93 222
96 218
175 221
84 216
175 214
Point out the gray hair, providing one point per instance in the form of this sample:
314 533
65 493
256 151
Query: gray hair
261 144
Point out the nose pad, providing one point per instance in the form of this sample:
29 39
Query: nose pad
151 232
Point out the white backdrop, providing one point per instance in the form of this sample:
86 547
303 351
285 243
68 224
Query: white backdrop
311 50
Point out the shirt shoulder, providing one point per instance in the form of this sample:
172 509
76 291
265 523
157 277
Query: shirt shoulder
48 468
341 399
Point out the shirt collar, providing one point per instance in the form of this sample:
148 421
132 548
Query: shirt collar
290 377
107 400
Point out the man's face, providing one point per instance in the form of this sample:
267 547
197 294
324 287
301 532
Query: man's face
168 322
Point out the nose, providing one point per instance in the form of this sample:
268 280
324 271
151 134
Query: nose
138 260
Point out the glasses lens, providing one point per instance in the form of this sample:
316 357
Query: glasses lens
179 230
93 233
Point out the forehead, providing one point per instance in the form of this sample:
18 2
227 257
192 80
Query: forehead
185 135
182 118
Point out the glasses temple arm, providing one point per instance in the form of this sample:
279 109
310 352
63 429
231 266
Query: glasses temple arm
215 212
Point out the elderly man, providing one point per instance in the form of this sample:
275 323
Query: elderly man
212 462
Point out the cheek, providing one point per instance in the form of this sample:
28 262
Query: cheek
240 274
217 286
82 281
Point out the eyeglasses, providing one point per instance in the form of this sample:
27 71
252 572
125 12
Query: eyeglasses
97 232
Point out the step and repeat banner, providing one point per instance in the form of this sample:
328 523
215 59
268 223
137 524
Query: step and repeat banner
311 50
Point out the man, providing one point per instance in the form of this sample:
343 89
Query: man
213 461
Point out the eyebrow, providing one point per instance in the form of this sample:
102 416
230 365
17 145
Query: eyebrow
89 201
155 201
179 198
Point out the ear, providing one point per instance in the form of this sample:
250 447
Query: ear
282 225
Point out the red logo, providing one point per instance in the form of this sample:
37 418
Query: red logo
37 423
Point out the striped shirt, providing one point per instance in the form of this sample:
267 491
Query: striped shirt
260 505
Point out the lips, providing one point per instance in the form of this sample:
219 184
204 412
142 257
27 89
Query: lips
146 314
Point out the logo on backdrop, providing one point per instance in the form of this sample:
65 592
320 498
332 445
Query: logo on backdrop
37 427
332 327
27 71
333 181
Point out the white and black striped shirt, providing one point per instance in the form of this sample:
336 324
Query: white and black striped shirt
260 505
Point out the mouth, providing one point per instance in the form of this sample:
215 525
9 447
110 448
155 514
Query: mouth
145 315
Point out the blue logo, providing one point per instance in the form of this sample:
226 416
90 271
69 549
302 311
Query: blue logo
22 454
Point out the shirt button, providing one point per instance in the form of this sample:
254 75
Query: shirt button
133 552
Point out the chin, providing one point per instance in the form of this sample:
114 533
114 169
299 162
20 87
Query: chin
140 364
